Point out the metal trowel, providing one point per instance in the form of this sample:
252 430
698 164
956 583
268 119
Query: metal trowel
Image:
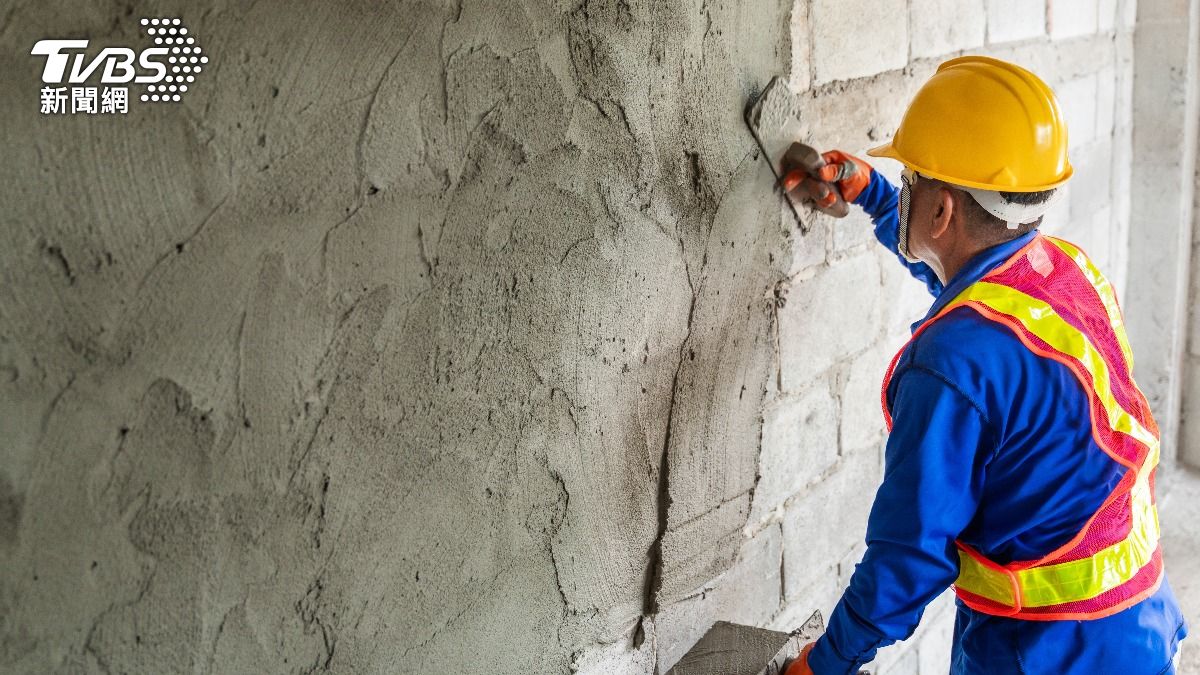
774 120
736 649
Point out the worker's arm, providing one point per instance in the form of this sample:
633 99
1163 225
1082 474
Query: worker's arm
879 200
933 477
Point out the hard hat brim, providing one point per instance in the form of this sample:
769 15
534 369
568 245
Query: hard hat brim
888 150
885 150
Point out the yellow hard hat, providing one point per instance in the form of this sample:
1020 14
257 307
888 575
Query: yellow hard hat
984 123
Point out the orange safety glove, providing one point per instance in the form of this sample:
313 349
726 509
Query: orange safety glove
808 187
800 665
851 174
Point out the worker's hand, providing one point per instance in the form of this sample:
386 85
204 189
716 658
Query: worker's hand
806 188
800 665
829 180
851 174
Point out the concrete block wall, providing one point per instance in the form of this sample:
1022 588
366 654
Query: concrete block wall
418 338
411 330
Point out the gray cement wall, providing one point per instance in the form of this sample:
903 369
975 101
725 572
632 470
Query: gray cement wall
1189 431
431 337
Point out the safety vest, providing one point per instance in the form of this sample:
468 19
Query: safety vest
1059 305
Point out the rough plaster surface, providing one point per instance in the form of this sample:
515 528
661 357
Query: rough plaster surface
422 325
386 341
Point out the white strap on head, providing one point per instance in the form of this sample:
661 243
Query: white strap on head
1013 214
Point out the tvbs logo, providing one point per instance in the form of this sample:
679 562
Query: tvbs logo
163 73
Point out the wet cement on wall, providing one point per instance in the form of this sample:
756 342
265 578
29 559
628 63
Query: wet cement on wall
421 336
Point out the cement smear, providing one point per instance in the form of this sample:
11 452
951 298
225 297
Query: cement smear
420 337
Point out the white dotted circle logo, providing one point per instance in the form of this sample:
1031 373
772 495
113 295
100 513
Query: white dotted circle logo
181 56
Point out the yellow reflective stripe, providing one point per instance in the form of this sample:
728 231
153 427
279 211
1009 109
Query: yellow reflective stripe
1041 320
975 577
1104 290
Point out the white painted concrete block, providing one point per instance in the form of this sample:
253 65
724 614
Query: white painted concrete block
906 299
1101 235
1091 186
853 231
807 249
819 591
1059 215
1011 20
829 521
849 562
851 41
897 659
1106 101
1078 100
1128 14
910 657
862 418
1075 232
1093 236
1123 108
941 607
1070 18
943 26
828 317
1106 15
933 652
799 443
1118 271
1122 172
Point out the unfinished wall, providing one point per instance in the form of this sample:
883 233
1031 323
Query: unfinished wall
1189 425
428 335
1166 115
1172 140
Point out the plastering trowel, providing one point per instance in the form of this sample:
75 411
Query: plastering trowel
735 649
774 119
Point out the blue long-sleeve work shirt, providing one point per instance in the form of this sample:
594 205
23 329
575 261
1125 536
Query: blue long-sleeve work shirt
990 444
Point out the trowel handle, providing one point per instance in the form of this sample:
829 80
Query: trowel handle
825 195
803 163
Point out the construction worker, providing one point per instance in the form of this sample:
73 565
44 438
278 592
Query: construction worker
1021 457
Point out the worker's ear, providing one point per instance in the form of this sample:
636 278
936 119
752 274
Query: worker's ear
944 210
